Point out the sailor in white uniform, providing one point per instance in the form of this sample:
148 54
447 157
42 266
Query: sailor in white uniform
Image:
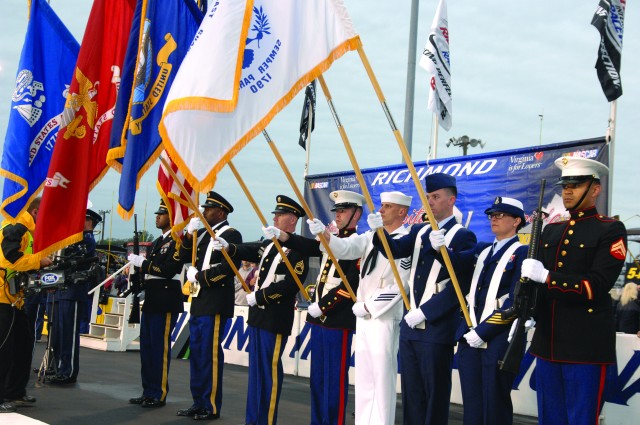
378 311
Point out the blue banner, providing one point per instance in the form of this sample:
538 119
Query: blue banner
160 36
480 178
46 67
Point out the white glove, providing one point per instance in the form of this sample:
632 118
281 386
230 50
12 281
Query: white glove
414 317
473 339
191 274
436 237
314 310
315 226
534 270
374 220
512 331
136 259
194 225
271 232
530 323
359 309
251 299
219 244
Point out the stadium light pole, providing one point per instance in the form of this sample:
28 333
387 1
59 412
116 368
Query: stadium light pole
465 142
103 213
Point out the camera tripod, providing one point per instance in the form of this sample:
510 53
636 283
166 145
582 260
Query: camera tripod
48 366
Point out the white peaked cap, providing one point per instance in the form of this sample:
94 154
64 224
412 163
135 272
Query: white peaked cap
396 197
575 166
345 199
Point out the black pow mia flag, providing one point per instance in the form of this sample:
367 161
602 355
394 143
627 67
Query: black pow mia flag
309 109
609 21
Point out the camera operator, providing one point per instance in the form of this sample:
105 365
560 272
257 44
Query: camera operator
70 304
16 336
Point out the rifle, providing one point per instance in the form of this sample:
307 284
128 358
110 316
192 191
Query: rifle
134 317
524 298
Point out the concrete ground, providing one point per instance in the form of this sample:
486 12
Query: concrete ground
107 380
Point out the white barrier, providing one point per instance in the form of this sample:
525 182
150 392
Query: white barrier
622 394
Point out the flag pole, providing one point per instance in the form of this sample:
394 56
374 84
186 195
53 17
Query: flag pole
197 212
434 142
416 180
308 143
307 210
365 190
263 220
610 138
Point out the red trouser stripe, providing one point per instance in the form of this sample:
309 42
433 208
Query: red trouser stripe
343 371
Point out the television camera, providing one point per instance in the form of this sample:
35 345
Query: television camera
63 272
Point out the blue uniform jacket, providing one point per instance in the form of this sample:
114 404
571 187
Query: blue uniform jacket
442 310
493 325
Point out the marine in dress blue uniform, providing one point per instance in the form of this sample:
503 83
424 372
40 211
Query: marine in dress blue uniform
162 306
427 333
210 309
70 305
575 338
486 390
271 313
330 316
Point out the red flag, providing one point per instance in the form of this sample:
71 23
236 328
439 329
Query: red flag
174 198
79 157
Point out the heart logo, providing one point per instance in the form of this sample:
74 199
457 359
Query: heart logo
539 155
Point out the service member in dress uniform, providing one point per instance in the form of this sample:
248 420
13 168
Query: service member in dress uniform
427 333
211 306
486 390
378 311
330 316
271 312
160 311
575 337
70 305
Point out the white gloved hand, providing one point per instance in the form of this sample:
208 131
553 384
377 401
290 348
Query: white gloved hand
251 299
530 323
315 226
191 274
436 237
136 259
374 220
512 331
314 310
194 225
534 270
473 339
271 232
414 317
219 244
360 310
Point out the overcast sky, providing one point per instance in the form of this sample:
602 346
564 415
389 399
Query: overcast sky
510 62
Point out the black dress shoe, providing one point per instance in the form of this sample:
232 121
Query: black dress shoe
137 400
153 402
191 412
62 380
205 415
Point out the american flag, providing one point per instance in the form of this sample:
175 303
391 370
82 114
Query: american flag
174 198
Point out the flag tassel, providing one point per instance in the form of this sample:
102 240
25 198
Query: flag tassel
416 181
194 207
307 210
263 220
365 190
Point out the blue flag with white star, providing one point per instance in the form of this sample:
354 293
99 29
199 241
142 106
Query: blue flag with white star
46 67
160 36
